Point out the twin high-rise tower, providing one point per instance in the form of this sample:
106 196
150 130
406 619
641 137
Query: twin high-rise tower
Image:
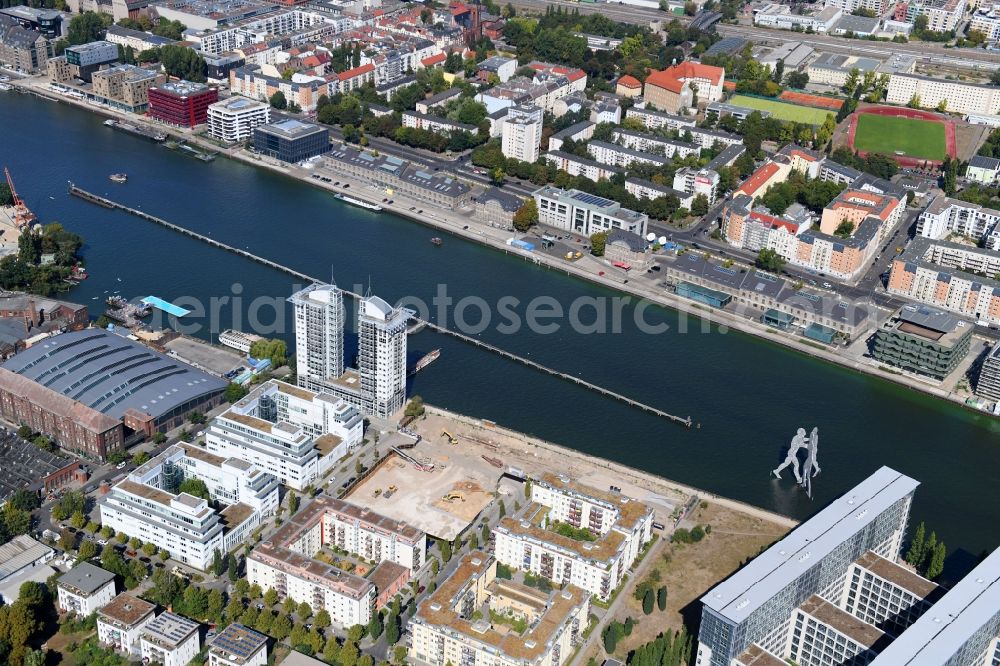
378 385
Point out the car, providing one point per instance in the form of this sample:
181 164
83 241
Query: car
102 542
121 465
655 267
89 489
465 227
827 285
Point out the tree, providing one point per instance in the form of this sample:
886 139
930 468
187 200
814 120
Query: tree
936 565
647 601
526 216
415 407
597 243
278 101
196 487
797 80
375 626
304 610
331 650
273 349
844 229
497 176
271 597
142 457
915 554
164 554
322 619
281 627
217 563
445 550
182 62
769 260
87 27
392 633
699 206
661 598
234 392
88 549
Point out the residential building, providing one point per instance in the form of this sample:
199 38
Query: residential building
950 276
382 356
285 563
235 118
531 540
170 640
181 103
988 382
987 21
153 394
23 49
580 166
698 181
923 340
825 634
424 106
958 96
149 504
436 124
85 589
85 59
727 157
621 157
754 609
303 91
942 15
291 140
117 9
580 131
945 216
961 628
237 645
138 40
655 144
372 536
983 169
655 120
292 433
707 138
444 629
121 621
586 214
319 331
645 189
522 133
404 178
773 15
499 66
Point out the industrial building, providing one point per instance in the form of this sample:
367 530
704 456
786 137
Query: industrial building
27 467
133 391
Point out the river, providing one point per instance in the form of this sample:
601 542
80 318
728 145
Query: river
748 395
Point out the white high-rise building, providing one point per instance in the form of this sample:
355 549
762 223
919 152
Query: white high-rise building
382 356
233 119
293 433
522 133
319 333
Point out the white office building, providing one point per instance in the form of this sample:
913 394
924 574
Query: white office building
233 119
586 214
293 433
522 133
237 645
148 505
171 640
85 589
121 621
753 609
529 541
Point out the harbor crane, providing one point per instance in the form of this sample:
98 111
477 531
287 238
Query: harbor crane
22 216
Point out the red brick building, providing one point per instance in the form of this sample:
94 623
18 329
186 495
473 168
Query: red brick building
181 103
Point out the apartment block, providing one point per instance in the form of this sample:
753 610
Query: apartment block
121 621
292 433
656 120
698 181
181 103
945 216
148 506
432 123
235 118
85 589
988 382
621 157
755 609
645 189
285 563
582 213
652 143
170 640
536 539
886 595
581 166
124 87
371 535
959 96
446 630
522 133
237 645
923 340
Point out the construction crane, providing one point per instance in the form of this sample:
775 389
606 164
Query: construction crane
22 216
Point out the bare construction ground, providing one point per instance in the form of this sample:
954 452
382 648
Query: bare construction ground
420 496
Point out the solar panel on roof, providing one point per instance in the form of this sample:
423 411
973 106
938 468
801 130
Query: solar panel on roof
727 271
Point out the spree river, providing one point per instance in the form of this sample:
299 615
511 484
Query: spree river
749 395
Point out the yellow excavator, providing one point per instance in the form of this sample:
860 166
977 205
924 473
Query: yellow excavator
452 496
451 438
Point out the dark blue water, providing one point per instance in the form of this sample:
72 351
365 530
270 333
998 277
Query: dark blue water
748 394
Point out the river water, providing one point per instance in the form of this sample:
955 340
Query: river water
748 394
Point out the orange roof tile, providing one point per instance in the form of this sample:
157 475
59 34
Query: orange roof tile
629 81
664 80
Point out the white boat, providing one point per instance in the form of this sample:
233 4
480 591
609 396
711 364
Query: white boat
109 122
118 178
357 202
6 86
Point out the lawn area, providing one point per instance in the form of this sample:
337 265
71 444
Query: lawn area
783 110
923 139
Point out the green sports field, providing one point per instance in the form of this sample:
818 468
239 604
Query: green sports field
923 139
783 110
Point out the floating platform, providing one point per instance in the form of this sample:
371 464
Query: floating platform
169 308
